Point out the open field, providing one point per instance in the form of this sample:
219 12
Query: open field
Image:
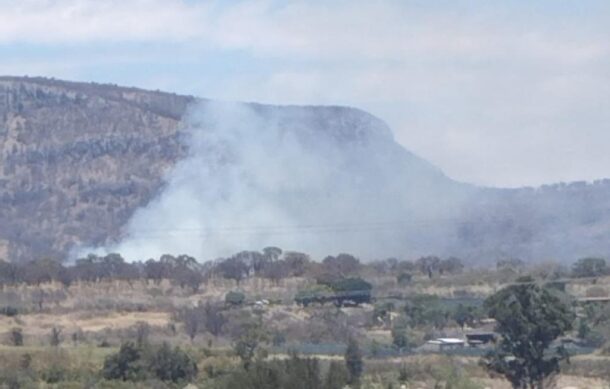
68 331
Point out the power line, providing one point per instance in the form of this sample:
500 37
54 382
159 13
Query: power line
342 227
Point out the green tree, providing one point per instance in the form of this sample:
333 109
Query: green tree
293 373
55 337
169 364
302 373
142 330
400 339
451 265
16 337
125 365
590 267
191 317
404 278
133 363
272 253
260 374
337 376
247 343
466 315
213 319
424 309
529 319
355 289
353 360
233 298
234 268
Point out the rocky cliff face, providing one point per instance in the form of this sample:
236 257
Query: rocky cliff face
77 159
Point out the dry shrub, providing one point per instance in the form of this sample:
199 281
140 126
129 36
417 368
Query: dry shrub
597 291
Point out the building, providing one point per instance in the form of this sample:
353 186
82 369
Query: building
444 344
475 339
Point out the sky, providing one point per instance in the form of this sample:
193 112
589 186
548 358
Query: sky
498 93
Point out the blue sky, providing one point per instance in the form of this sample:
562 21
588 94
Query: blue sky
502 93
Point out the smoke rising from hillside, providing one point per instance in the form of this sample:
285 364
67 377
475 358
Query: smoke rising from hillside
325 180
319 180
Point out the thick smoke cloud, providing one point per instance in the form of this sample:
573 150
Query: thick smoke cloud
325 180
318 179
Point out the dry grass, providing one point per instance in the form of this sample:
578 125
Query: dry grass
108 311
39 325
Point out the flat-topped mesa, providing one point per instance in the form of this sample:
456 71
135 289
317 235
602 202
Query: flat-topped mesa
77 160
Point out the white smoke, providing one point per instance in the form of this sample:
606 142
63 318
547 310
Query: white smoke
319 180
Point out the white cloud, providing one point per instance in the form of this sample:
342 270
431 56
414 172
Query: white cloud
77 21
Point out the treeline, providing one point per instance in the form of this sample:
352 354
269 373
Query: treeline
271 263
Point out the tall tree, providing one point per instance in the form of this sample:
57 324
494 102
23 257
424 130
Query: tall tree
353 360
342 265
529 319
251 335
428 265
213 319
234 268
590 267
297 262
337 376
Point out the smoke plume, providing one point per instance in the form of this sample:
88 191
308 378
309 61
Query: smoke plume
316 179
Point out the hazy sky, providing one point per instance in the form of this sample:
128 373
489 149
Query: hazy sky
503 93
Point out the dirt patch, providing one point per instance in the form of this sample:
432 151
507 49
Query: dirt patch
42 323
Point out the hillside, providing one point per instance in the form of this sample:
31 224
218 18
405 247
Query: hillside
80 161
77 159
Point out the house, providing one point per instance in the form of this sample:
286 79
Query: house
444 344
478 338
593 300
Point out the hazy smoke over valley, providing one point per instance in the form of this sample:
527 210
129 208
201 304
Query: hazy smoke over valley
317 179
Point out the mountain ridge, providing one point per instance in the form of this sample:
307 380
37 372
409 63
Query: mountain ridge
78 160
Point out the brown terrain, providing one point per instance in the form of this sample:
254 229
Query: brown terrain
77 159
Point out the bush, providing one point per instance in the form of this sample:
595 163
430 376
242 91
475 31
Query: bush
424 309
235 298
351 285
337 376
596 291
104 344
174 365
133 363
246 345
404 278
294 373
381 312
353 360
593 339
125 365
400 340
453 377
15 379
590 267
338 291
55 338
16 337
315 294
9 311
526 279
54 374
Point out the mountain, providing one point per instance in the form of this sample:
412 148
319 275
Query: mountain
77 160
83 164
